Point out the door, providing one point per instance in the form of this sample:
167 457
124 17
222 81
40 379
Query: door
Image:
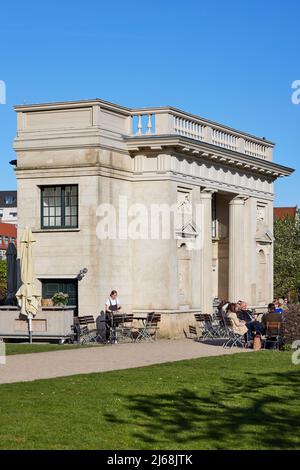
67 286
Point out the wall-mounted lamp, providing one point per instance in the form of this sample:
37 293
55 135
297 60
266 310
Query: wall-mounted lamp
81 274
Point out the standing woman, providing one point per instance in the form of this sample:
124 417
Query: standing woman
111 305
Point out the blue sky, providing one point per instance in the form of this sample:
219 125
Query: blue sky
231 61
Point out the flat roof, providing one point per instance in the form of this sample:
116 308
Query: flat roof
130 111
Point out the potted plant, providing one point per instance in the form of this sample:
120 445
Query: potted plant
60 299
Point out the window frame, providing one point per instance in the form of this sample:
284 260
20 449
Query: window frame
62 206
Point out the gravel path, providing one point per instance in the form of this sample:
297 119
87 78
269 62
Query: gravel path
28 367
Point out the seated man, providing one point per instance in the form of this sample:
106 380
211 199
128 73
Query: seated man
244 313
254 326
271 316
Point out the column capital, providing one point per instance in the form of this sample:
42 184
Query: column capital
207 193
240 199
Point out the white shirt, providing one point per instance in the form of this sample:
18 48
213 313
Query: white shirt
111 301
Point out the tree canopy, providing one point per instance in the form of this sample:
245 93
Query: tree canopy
287 258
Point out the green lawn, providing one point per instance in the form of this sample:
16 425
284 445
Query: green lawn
20 348
243 401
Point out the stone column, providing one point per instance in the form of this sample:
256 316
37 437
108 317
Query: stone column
270 221
206 280
236 248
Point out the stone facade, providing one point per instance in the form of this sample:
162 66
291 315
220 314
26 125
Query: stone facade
135 159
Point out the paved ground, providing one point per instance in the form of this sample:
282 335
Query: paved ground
27 367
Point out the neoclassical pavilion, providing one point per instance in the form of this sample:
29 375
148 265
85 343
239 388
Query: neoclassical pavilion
75 160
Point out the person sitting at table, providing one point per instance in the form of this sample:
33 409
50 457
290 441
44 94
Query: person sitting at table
259 328
243 312
272 316
253 324
238 326
275 318
111 305
255 327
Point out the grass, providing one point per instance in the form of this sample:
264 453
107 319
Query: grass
20 348
242 401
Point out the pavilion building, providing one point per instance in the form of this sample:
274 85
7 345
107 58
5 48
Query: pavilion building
90 176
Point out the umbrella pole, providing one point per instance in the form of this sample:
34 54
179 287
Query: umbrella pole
30 327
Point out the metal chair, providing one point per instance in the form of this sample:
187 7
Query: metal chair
219 325
273 335
149 330
206 326
234 339
193 332
124 329
86 329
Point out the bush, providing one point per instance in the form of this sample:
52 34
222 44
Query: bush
291 324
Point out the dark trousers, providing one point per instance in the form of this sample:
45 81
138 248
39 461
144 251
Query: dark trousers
108 326
255 327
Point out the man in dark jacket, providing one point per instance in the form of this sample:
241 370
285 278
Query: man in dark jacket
271 316
244 313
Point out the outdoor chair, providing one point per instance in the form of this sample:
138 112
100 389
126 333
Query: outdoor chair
273 335
200 319
127 327
193 333
234 339
149 330
208 331
219 325
87 331
123 327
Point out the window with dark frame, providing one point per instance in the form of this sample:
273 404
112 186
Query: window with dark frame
59 207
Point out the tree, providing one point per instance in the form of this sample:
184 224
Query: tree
2 280
287 258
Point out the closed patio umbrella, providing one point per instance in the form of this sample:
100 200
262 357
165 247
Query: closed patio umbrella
28 295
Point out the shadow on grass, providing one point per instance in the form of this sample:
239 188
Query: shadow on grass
251 411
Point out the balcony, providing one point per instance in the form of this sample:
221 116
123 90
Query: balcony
82 122
170 121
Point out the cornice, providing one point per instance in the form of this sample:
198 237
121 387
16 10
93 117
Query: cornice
71 105
208 152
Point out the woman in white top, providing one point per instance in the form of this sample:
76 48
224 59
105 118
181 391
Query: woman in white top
112 304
